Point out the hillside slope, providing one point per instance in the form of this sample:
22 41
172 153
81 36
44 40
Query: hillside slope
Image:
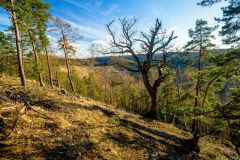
43 123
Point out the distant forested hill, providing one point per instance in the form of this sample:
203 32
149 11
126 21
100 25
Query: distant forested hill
175 61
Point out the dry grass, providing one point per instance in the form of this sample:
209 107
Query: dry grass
78 129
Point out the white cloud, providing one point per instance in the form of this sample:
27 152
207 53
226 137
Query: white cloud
86 5
81 50
81 46
92 33
77 4
174 28
99 42
88 31
111 10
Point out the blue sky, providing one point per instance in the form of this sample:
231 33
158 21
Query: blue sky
90 16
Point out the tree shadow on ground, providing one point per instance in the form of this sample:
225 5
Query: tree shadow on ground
68 150
138 143
50 104
179 149
78 145
73 106
62 144
152 146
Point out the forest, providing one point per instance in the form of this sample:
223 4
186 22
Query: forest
141 74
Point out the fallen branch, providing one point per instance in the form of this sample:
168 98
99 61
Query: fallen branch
28 107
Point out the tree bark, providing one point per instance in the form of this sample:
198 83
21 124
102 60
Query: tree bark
67 61
195 124
68 69
58 84
110 94
2 64
37 63
49 67
18 45
152 91
153 111
105 94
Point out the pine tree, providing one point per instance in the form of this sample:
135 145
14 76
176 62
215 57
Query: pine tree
13 7
201 41
226 70
41 26
6 51
33 24
231 24
44 45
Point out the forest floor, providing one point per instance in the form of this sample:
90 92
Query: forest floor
44 123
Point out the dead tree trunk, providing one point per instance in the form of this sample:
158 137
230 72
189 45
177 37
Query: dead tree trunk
152 90
153 110
156 42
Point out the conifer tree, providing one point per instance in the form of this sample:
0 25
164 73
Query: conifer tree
15 10
6 50
33 24
201 38
44 45
230 19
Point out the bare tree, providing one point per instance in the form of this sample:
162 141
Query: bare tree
94 49
134 42
67 37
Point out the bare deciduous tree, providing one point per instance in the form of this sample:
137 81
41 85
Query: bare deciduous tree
94 49
67 37
134 42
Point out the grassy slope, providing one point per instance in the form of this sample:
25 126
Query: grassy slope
80 128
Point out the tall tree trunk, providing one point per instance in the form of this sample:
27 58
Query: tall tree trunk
195 124
67 61
91 85
2 64
68 68
153 109
174 118
152 91
57 80
105 94
49 67
110 93
18 45
37 63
